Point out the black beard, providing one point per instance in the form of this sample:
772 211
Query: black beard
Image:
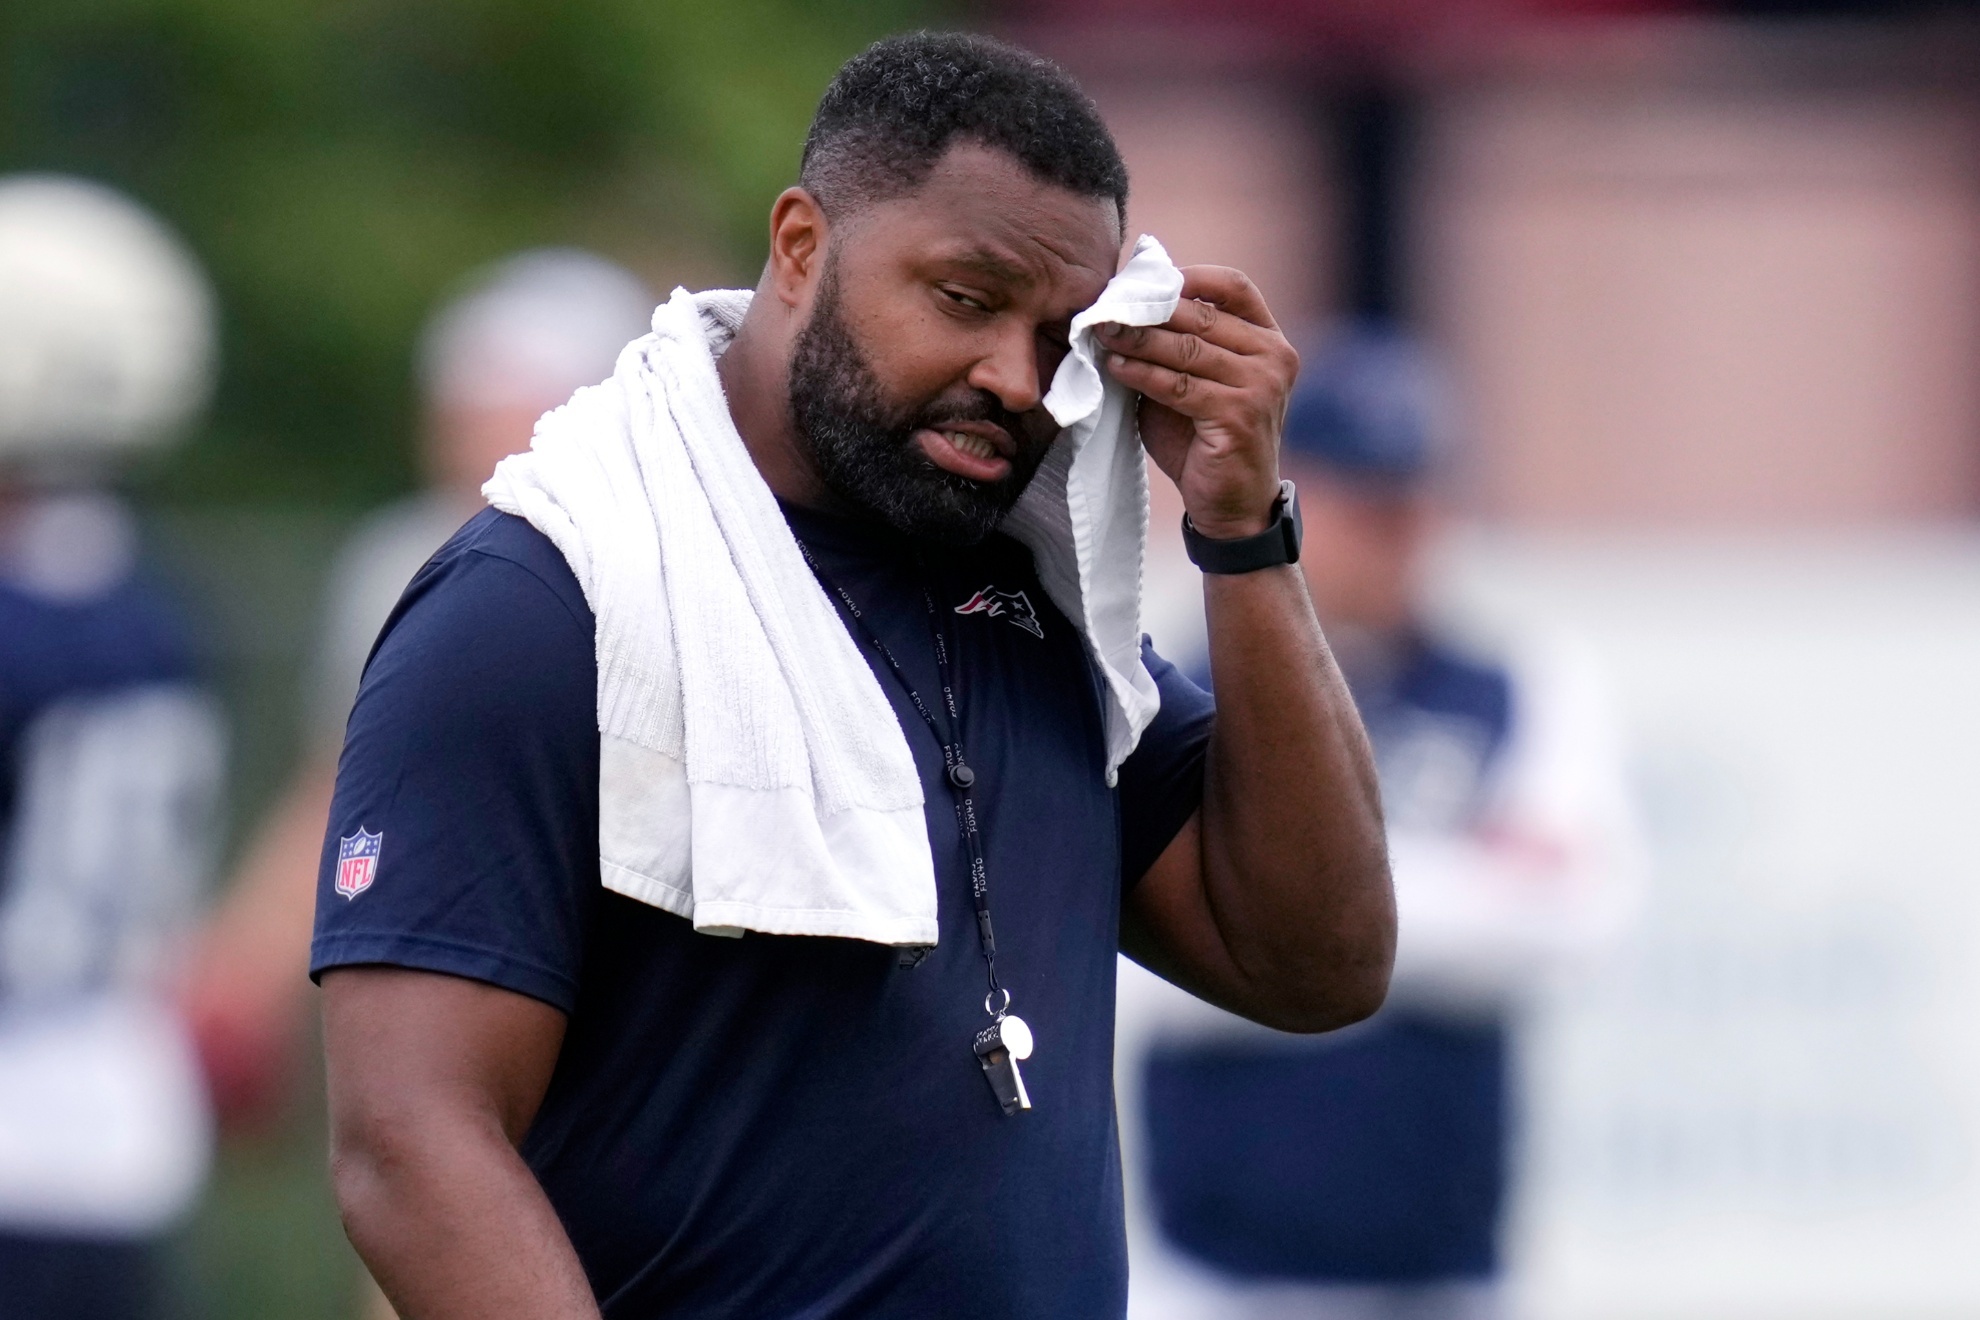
863 446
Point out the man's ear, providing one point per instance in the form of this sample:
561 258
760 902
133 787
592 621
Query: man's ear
798 230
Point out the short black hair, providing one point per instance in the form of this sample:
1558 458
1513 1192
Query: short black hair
893 111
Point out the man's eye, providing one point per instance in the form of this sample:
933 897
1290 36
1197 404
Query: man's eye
963 299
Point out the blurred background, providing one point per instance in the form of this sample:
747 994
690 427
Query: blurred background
1702 284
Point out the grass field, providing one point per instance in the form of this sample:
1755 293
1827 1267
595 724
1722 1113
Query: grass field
265 1244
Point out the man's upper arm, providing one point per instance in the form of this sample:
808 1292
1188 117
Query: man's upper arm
433 1081
401 1044
1166 922
467 792
1169 926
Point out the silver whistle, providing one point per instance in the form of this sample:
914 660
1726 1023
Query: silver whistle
999 1047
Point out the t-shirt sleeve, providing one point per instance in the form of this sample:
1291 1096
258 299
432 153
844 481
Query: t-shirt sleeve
1161 782
472 757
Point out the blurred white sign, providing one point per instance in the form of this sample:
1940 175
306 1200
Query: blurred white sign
1767 1103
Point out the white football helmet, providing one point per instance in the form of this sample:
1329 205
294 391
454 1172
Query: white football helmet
107 327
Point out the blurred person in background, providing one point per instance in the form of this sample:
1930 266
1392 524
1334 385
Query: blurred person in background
515 341
1363 1174
110 757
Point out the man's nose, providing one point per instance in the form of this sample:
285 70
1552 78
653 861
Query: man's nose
1010 371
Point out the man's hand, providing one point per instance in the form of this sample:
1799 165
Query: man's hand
1214 381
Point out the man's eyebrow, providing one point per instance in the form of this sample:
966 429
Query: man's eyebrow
991 264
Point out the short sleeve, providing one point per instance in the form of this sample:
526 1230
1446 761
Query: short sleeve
464 832
1161 782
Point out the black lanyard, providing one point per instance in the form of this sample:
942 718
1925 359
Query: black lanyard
956 770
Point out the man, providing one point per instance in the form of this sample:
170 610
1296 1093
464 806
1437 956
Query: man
551 1100
509 345
110 757
1362 1177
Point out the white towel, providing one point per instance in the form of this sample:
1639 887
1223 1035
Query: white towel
1085 515
751 773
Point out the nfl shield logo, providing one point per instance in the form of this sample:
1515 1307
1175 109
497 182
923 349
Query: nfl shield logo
357 862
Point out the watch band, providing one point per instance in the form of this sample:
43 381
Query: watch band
1277 544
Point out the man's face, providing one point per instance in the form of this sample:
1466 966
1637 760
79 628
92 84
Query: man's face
936 326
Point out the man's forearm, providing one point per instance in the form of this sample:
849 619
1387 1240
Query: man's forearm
452 1224
1295 867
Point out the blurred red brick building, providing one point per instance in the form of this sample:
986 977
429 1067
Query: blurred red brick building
1688 268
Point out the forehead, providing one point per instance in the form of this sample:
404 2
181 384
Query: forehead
982 210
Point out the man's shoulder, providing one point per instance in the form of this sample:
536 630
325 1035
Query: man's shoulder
495 616
495 548
388 546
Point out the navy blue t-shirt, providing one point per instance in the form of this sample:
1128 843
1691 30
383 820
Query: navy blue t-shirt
1377 1155
776 1126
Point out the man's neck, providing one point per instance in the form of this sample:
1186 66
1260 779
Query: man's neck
755 372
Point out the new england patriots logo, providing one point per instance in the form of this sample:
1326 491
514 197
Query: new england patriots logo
357 861
1010 606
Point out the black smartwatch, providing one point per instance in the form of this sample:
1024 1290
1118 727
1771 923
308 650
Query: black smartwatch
1277 544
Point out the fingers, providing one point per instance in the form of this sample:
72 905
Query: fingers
1210 345
1219 360
1229 289
1193 317
1202 340
1193 396
1194 354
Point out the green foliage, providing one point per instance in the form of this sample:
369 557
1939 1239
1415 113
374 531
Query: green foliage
338 163
267 1244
